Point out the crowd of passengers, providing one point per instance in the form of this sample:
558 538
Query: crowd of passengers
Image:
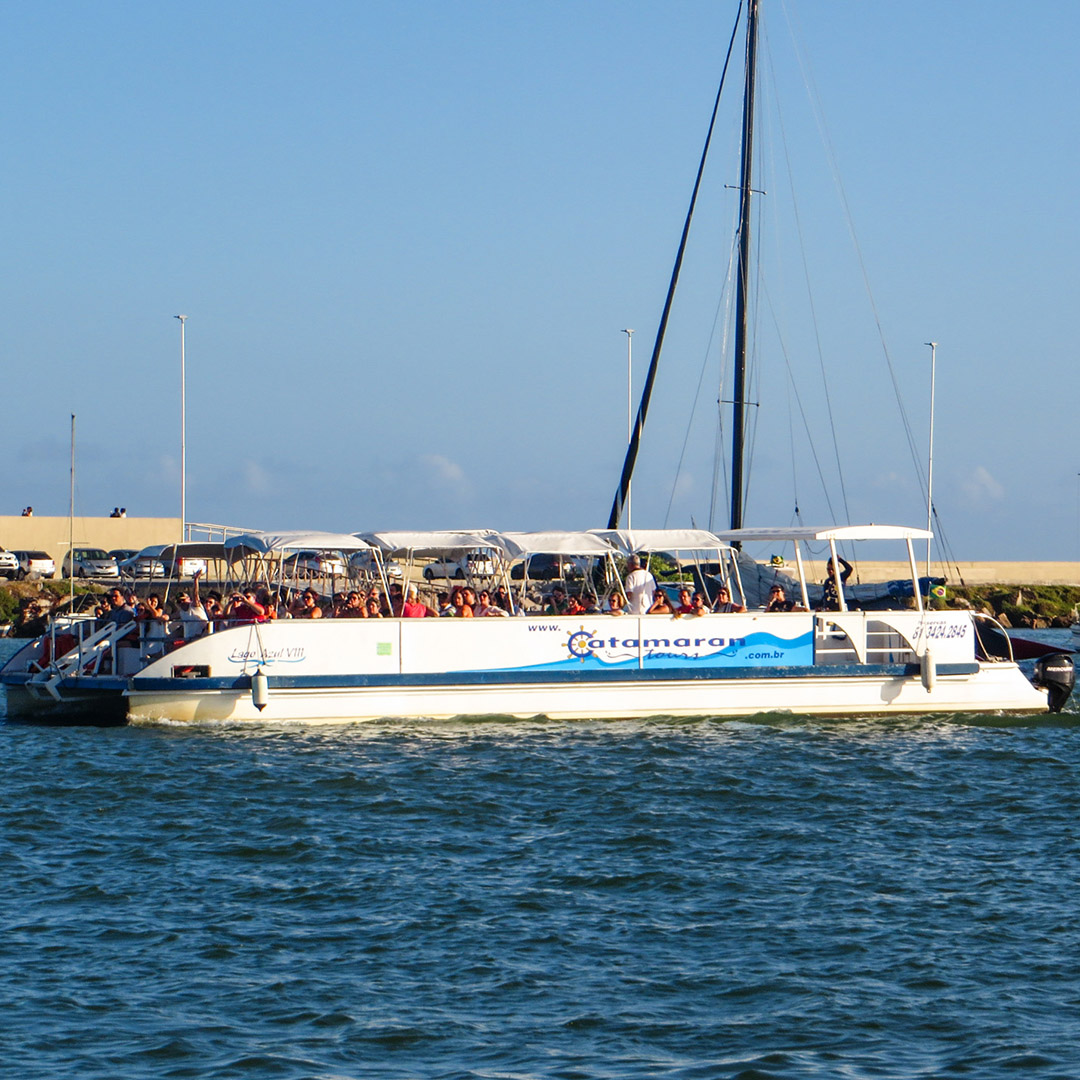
191 615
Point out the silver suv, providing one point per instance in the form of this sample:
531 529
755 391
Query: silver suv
9 565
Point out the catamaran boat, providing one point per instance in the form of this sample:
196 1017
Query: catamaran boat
839 662
901 657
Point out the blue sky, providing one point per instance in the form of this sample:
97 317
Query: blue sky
407 238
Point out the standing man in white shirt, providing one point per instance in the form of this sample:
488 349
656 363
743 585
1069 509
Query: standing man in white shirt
640 587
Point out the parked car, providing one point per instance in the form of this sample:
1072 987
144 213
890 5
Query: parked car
35 564
134 564
544 567
364 562
187 567
315 564
9 564
89 563
472 564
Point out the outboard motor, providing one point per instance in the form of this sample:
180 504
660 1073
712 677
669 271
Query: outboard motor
1056 675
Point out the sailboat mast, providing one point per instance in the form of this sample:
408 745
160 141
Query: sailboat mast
738 436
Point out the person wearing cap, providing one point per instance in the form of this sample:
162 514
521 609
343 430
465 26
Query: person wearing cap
778 601
640 587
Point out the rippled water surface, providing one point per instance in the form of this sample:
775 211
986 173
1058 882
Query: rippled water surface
772 898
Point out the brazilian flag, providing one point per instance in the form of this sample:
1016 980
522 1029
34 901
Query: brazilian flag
938 591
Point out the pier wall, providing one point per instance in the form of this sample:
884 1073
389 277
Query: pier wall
51 533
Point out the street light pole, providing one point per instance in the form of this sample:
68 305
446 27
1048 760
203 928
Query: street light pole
629 406
183 434
930 465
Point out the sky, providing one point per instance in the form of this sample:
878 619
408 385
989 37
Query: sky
408 237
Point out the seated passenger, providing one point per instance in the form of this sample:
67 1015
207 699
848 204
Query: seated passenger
557 604
374 607
660 604
723 601
309 606
351 608
243 608
502 598
457 602
684 606
778 601
445 607
411 607
574 606
487 607
616 603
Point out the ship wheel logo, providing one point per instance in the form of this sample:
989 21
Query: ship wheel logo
578 644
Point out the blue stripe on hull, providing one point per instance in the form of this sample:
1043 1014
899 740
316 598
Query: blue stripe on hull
543 678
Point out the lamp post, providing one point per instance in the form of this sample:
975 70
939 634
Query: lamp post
930 465
629 406
183 434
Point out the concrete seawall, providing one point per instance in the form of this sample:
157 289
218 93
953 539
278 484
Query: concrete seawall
51 534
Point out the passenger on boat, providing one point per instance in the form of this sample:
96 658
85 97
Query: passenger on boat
191 614
723 602
830 599
412 608
558 602
640 587
309 606
119 612
778 601
457 602
616 602
150 610
374 608
471 599
397 600
487 606
660 604
244 609
502 598
352 608
445 607
574 606
685 606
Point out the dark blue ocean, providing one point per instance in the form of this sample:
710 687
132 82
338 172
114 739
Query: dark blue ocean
769 898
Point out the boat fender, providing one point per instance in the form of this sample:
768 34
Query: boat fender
929 671
260 690
1055 674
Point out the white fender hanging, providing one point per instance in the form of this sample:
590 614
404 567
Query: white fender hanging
929 671
260 690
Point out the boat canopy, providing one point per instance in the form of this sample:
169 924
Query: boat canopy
519 545
629 541
428 544
830 532
189 549
262 543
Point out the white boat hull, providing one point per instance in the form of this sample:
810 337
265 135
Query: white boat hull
996 688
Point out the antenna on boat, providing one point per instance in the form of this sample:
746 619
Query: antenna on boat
71 517
930 465
738 431
183 435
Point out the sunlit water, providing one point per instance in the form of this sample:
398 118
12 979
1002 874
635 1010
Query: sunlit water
695 899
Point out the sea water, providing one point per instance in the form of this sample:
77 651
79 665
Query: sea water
763 898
